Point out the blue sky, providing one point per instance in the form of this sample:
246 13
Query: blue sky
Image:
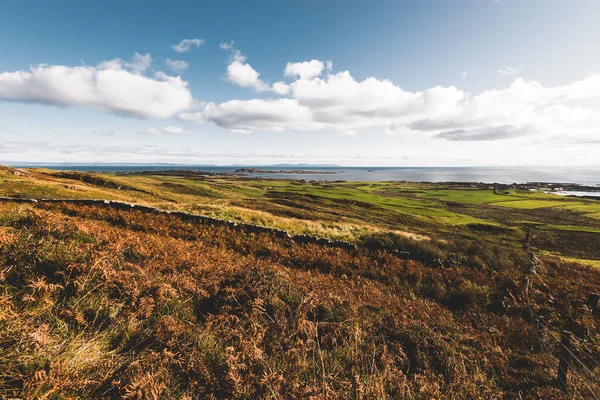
467 82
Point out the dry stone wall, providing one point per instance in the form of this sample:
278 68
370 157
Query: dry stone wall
211 221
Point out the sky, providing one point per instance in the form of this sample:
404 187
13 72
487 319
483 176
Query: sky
354 83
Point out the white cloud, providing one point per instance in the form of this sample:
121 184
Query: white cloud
167 130
186 44
524 108
257 114
242 74
281 88
465 74
341 103
109 87
140 62
484 133
346 104
336 102
306 70
226 45
178 66
510 70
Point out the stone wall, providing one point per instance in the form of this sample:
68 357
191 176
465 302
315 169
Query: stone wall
211 221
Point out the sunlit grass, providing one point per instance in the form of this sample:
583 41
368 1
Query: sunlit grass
97 303
529 204
341 210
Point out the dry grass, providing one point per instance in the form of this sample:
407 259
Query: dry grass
100 303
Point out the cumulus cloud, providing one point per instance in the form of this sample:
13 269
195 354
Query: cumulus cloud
257 114
340 97
226 45
305 70
113 87
242 74
140 62
337 101
524 108
166 130
186 44
510 70
281 88
178 66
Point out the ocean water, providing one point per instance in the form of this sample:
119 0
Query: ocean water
578 193
589 176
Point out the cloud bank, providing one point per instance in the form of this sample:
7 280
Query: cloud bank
113 86
313 97
318 99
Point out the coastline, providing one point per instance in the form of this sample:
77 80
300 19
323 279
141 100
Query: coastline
582 176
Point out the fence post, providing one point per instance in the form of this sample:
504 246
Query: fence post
527 244
563 365
592 301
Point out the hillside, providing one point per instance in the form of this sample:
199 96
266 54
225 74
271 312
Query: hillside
98 302
559 226
106 301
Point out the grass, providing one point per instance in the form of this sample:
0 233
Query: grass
101 303
569 228
98 303
588 263
589 208
340 210
530 204
471 196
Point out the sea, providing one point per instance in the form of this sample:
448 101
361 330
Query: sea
587 176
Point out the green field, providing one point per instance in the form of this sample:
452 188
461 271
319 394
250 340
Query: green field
343 210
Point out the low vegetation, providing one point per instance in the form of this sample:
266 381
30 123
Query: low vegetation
342 210
442 299
101 303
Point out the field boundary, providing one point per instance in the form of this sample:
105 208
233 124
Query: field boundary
203 219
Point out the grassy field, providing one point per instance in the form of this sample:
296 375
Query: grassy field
343 210
101 303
